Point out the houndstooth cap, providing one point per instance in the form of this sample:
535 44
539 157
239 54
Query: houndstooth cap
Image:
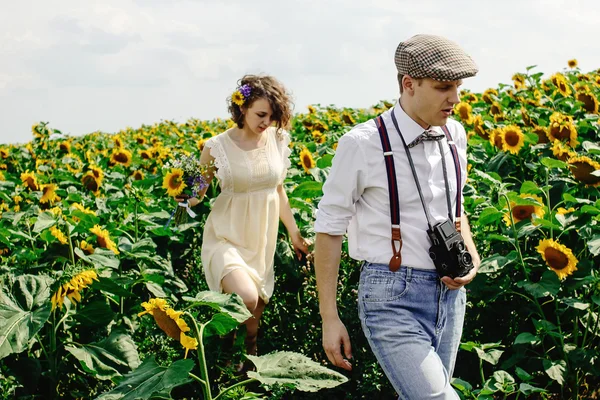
430 56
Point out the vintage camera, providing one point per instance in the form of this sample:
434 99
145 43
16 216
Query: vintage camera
448 251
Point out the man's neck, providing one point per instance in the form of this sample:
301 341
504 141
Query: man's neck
405 105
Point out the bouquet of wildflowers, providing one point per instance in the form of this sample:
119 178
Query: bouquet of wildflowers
184 177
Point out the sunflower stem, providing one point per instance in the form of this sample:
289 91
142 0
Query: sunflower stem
202 358
547 194
136 219
71 251
242 383
31 238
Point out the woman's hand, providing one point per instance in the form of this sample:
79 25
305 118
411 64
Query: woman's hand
192 201
300 244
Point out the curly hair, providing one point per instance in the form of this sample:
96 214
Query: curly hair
264 87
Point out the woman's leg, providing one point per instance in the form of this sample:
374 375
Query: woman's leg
239 282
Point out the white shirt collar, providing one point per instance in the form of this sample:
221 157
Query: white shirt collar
410 129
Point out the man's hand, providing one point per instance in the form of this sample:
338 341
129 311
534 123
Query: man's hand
335 335
457 283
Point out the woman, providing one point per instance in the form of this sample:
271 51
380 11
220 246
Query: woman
250 161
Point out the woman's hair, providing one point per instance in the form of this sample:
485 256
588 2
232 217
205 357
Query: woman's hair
262 87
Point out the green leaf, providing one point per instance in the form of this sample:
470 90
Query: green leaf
526 337
96 313
108 358
295 369
493 264
587 209
101 258
548 285
553 163
556 370
462 385
325 161
489 216
220 324
594 245
575 303
45 220
308 190
523 375
527 389
23 312
230 304
491 356
530 187
150 379
110 286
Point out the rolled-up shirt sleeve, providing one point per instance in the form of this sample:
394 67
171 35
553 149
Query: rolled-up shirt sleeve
342 189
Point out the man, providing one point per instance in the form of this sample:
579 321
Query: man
411 318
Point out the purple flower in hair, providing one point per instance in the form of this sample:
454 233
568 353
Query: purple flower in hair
245 90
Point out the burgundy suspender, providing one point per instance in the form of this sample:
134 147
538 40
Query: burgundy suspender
388 156
458 176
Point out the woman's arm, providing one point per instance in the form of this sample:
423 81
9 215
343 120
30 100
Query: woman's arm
287 217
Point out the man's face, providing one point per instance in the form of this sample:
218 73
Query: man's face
432 101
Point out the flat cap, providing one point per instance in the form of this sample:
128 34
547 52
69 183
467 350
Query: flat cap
430 56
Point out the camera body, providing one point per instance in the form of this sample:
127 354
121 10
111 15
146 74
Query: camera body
448 251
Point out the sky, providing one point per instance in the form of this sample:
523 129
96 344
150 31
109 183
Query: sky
85 66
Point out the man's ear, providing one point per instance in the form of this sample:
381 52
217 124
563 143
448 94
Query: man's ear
408 83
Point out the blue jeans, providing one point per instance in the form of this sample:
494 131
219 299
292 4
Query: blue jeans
413 323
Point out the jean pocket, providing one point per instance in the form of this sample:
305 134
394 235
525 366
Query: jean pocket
384 286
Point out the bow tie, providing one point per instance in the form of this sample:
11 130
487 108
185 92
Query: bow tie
427 135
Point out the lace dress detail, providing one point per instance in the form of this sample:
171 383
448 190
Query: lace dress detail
221 164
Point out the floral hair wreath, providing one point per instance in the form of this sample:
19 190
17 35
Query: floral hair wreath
240 96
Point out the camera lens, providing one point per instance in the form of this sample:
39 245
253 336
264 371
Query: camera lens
466 259
460 246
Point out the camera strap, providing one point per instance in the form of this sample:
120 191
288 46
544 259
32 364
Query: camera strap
388 154
455 158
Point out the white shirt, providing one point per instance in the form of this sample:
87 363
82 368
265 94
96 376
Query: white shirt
356 199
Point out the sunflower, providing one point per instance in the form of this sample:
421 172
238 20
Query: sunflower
479 127
118 142
572 63
97 172
513 139
49 194
495 138
2 177
306 160
558 257
526 117
58 234
173 182
562 151
463 110
86 247
582 168
561 84
140 140
200 144
145 154
470 98
334 146
103 239
312 110
590 102
3 153
73 288
563 128
320 126
524 212
121 156
138 175
541 133
29 180
519 81
487 95
90 182
170 322
238 98
496 109
564 211
81 208
347 118
65 147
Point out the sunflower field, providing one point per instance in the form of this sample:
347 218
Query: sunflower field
102 298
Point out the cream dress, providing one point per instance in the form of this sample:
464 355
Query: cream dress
241 230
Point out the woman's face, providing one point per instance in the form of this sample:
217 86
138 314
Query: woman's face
257 117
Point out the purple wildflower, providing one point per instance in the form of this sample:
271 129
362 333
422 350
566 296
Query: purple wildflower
245 90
